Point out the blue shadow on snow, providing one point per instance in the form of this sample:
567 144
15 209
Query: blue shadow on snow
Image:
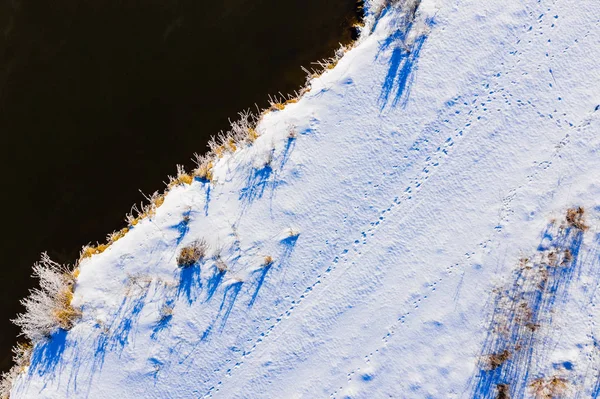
287 151
183 226
213 283
47 354
262 274
402 64
229 298
256 184
164 322
190 283
514 335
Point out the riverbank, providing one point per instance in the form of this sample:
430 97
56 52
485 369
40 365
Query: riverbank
101 100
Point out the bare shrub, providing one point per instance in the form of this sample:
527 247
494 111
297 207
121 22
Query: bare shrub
49 307
192 254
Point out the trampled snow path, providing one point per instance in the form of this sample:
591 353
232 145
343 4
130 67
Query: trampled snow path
425 165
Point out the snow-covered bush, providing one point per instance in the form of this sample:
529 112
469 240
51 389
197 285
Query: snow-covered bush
49 307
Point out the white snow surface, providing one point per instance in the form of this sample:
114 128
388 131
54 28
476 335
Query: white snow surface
393 224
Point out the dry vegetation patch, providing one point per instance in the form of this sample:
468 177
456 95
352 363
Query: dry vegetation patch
192 254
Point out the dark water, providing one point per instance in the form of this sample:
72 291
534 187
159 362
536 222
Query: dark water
100 98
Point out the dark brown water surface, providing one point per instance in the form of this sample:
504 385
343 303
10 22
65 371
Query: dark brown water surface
102 98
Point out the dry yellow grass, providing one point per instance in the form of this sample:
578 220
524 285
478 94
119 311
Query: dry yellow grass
22 357
252 135
332 64
219 151
181 179
65 314
230 145
117 235
157 200
66 317
204 171
135 220
277 106
89 250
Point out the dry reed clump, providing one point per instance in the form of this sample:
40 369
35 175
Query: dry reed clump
204 167
49 307
116 235
181 178
135 215
575 218
89 250
320 67
192 254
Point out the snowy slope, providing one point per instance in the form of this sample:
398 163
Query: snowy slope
422 171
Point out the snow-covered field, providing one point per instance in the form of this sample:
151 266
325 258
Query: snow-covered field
414 204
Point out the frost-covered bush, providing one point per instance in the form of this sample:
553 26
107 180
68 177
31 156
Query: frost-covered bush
49 307
21 358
